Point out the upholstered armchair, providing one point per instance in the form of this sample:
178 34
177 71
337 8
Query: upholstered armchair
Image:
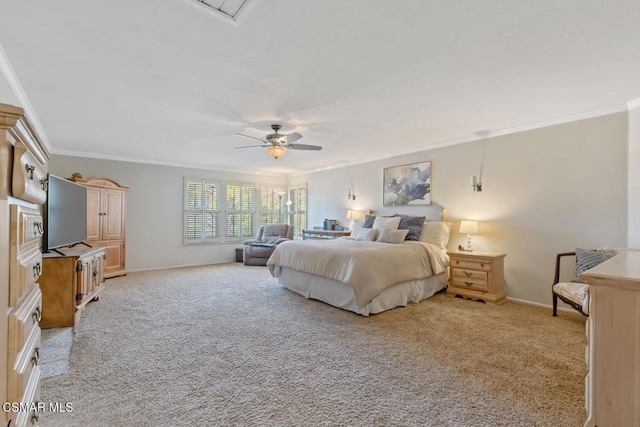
258 250
575 292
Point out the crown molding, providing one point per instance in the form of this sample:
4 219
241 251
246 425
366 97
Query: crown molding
484 134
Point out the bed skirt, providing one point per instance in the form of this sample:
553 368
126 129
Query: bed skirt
340 295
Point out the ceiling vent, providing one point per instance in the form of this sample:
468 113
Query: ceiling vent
232 11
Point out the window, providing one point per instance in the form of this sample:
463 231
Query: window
241 209
298 197
223 212
202 211
272 206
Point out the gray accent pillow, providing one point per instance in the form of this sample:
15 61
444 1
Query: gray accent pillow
368 221
586 260
413 224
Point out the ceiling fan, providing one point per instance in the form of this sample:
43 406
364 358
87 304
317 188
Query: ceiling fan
277 143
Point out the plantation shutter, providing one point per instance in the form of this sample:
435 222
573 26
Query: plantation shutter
241 209
202 211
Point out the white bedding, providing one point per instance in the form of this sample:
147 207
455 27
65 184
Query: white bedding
340 295
364 269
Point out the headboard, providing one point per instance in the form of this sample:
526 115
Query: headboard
432 212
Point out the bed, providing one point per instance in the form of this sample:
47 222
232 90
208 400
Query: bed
383 265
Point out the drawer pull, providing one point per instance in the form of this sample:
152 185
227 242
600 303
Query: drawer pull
36 356
35 418
38 227
457 261
482 264
468 283
466 273
36 315
44 183
30 170
37 270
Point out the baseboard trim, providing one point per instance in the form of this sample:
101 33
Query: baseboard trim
550 307
180 266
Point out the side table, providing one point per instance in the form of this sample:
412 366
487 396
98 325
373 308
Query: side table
477 275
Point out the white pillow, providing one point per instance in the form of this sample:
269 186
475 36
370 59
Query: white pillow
435 232
390 222
357 225
387 235
368 234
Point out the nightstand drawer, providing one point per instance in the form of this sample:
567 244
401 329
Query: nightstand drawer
469 279
471 264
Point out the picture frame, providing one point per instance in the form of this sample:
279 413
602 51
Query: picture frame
407 185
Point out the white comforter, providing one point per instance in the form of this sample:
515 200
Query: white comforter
367 267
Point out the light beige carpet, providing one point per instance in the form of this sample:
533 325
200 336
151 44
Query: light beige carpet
225 345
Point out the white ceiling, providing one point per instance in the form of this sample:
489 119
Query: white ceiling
164 82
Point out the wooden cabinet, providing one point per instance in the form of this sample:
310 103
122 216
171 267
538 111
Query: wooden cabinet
612 385
477 275
23 166
324 234
69 282
106 220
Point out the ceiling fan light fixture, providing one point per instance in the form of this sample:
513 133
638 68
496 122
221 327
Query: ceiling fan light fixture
276 151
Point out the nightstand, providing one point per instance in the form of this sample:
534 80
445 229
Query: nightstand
477 275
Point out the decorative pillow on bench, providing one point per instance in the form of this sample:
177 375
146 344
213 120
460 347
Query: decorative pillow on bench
586 260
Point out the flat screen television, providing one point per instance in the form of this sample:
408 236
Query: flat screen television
65 213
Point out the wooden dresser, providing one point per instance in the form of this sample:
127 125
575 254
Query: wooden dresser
324 234
612 386
106 220
23 166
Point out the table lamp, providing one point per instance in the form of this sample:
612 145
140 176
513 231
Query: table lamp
469 227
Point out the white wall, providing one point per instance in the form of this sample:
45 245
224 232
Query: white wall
6 94
545 191
634 173
155 209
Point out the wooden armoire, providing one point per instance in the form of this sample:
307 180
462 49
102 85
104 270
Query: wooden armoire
106 220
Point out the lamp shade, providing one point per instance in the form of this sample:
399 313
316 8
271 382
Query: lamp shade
353 214
470 227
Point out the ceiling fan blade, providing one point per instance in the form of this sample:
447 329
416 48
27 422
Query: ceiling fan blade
304 147
252 137
293 137
252 146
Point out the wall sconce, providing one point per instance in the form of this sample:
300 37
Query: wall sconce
469 227
476 184
351 195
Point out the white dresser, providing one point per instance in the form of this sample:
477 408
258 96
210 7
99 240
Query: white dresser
612 385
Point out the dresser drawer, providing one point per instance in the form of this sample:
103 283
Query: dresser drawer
471 264
25 318
27 360
31 400
25 271
469 279
27 226
29 176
